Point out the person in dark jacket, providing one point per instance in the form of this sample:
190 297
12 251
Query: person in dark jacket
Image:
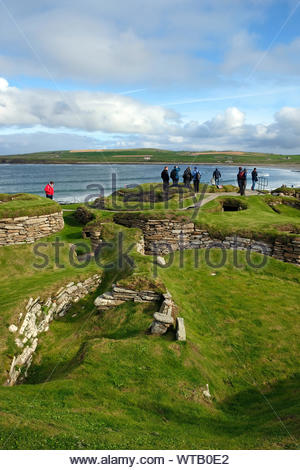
242 180
196 179
217 175
165 177
175 175
254 178
187 177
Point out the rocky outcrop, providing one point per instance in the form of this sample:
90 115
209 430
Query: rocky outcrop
38 315
27 229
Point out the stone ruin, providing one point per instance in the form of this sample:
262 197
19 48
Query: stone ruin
38 315
163 320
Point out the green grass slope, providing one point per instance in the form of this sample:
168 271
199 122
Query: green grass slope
98 381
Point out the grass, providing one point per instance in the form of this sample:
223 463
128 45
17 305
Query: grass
259 220
20 205
99 381
264 216
150 196
157 156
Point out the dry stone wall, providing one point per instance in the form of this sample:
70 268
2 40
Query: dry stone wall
163 236
36 319
27 229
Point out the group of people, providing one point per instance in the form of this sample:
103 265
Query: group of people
188 177
242 179
195 177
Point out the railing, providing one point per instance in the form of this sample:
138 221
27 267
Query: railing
262 183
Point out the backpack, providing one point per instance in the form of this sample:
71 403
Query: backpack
173 174
198 176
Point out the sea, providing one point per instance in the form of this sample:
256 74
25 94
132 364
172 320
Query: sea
78 183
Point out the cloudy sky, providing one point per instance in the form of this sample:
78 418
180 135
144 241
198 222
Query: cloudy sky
178 74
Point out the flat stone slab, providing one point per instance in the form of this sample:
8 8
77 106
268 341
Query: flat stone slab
180 334
157 328
161 318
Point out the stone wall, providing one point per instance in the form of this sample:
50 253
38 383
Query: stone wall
163 236
289 253
27 229
38 314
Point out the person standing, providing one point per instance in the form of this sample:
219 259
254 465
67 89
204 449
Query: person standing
49 190
216 176
187 177
196 179
165 177
254 178
175 175
242 180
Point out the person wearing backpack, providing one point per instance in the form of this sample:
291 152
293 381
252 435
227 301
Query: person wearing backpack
242 180
187 177
165 177
175 175
216 176
254 178
196 179
49 190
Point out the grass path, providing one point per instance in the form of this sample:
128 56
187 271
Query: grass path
212 196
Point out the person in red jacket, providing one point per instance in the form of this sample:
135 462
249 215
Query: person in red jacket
49 190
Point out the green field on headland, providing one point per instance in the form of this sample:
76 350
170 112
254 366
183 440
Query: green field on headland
98 381
149 155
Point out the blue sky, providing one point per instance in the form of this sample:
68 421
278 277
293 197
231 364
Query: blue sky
179 74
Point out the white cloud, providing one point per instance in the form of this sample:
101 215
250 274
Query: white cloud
169 41
3 85
103 119
245 59
90 111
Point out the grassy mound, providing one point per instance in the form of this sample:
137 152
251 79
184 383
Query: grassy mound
22 204
150 196
295 192
258 221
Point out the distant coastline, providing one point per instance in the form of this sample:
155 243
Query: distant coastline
291 166
149 156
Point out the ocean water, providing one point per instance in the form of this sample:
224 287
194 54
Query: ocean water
74 183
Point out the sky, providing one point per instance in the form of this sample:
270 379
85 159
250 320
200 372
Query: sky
169 74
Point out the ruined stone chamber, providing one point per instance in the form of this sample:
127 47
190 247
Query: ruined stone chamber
163 320
163 236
